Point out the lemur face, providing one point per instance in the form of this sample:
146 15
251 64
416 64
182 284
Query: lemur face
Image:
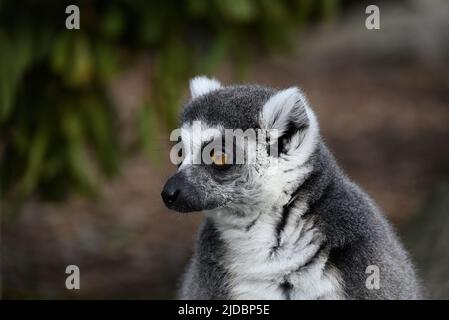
237 144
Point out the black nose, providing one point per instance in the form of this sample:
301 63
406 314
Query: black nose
169 194
180 195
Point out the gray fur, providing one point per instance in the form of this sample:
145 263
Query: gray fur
234 107
349 231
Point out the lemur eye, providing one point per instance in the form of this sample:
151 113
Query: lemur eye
219 159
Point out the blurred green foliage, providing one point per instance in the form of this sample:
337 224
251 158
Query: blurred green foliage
57 124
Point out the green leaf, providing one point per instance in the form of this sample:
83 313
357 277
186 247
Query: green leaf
149 133
77 158
82 63
36 157
238 10
60 53
106 60
112 23
15 57
217 53
97 123
329 8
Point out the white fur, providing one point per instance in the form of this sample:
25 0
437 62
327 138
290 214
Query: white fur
256 273
201 85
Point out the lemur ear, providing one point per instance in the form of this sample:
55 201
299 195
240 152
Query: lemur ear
284 109
286 112
201 85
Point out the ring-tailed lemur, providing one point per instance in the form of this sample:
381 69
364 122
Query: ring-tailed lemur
289 226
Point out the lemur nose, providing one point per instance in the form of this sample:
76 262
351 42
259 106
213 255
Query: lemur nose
178 194
169 195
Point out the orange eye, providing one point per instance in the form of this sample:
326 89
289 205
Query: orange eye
219 158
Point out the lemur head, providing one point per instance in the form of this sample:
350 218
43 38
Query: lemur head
239 146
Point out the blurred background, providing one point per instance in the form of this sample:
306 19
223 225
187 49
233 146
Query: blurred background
85 117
